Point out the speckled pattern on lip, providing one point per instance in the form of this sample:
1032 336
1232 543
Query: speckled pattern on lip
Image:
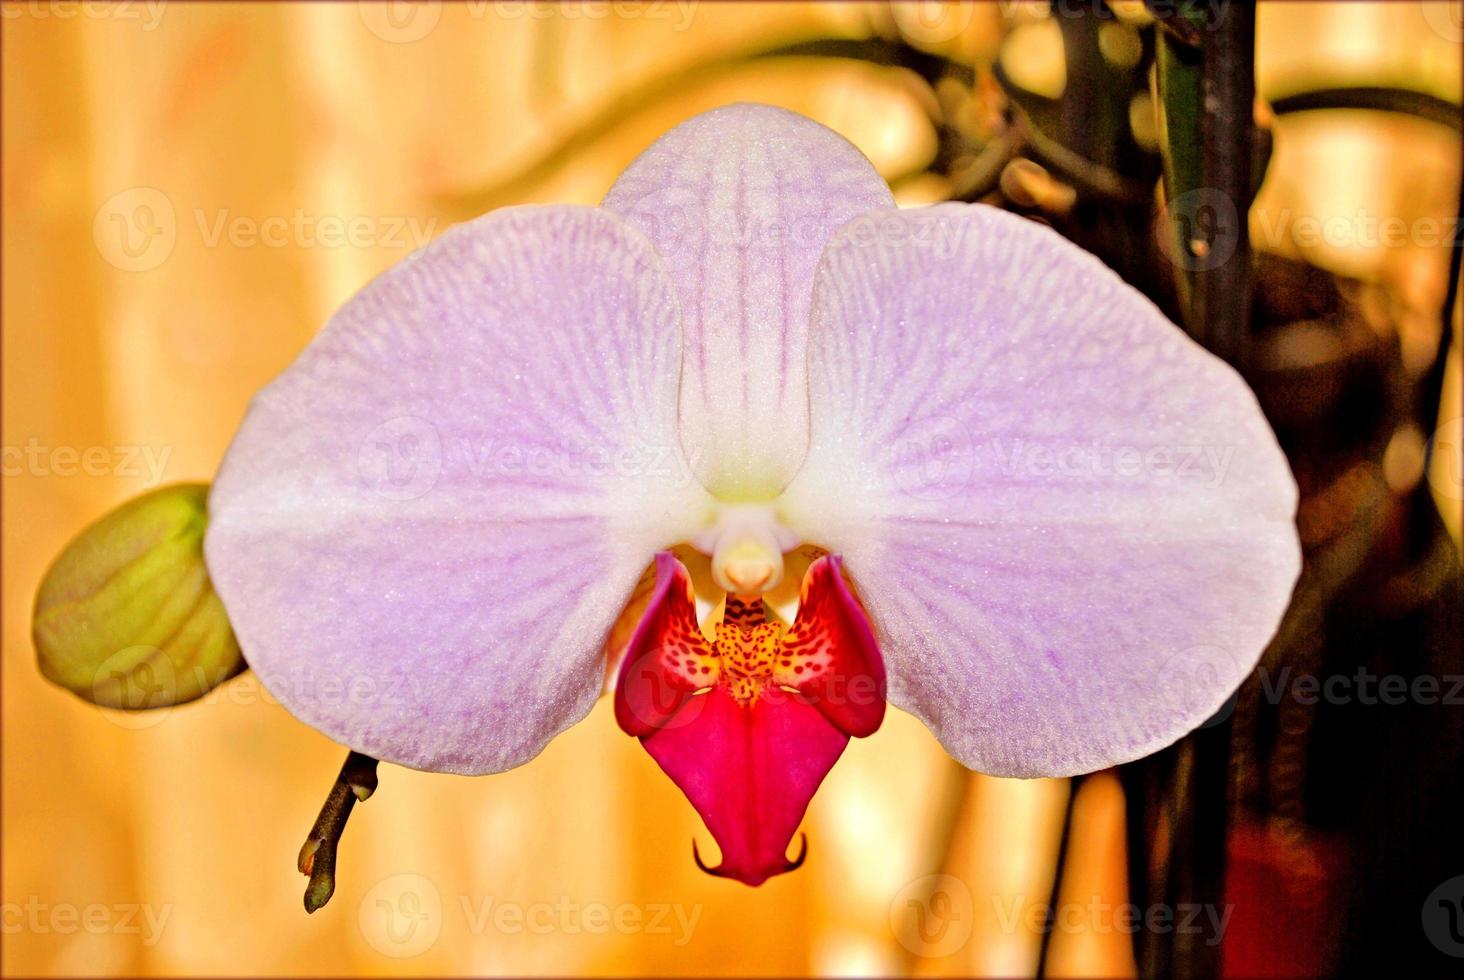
749 724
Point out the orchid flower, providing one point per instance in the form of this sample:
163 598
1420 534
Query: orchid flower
765 451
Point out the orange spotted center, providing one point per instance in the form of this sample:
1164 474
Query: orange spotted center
748 654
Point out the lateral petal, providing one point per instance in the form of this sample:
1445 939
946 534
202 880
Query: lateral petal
426 525
668 659
1071 526
830 655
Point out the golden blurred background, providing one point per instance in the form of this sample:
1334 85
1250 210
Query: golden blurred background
191 189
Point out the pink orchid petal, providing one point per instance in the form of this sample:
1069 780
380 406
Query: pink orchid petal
740 202
427 524
750 770
1071 526
829 655
667 659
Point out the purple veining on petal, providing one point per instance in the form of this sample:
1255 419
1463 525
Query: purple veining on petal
740 202
415 544
1044 610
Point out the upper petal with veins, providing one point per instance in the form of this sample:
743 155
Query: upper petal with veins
427 524
1071 525
740 202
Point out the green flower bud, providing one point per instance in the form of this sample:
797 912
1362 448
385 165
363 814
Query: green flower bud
127 616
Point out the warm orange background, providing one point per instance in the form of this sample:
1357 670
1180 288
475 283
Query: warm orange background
241 113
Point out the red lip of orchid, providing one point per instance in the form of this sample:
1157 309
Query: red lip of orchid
426 528
748 725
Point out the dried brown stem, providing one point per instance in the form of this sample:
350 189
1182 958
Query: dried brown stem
357 781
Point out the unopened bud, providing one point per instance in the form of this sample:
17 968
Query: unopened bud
127 617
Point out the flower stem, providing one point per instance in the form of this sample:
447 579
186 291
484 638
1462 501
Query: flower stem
357 781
